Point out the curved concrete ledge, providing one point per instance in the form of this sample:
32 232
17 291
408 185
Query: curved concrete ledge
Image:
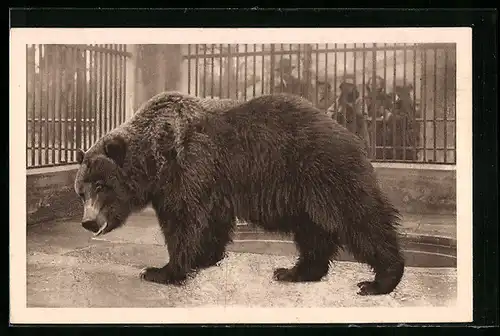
419 250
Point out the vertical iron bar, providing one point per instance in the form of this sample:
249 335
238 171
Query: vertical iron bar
90 96
405 116
123 61
101 93
67 91
336 66
110 89
246 73
414 118
384 121
423 98
237 66
189 68
374 99
196 70
290 47
445 115
105 93
345 76
299 65
124 83
33 111
317 73
74 114
47 104
115 86
254 68
229 66
327 81
28 93
120 80
78 101
434 124
41 81
281 67
394 128
112 114
263 71
94 110
59 101
355 105
204 70
53 101
271 80
363 93
85 99
212 61
221 64
119 85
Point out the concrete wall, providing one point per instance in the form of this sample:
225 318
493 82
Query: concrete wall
412 188
419 188
50 194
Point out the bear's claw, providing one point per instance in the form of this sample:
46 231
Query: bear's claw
161 276
370 288
284 274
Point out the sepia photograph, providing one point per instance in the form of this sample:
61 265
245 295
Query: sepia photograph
241 175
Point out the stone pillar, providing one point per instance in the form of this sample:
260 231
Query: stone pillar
158 69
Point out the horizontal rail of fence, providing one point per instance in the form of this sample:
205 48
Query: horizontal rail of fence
400 98
74 94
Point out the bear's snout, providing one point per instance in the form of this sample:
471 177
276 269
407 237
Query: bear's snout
91 225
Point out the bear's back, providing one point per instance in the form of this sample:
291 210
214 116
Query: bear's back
283 132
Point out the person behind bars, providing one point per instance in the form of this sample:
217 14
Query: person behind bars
287 82
349 110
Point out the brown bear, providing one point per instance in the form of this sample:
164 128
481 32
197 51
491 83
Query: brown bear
275 161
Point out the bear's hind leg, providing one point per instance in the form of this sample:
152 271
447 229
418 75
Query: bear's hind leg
379 248
316 248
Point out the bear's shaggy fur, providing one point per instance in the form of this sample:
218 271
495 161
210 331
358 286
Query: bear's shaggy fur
275 161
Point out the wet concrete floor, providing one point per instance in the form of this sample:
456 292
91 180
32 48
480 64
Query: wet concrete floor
67 267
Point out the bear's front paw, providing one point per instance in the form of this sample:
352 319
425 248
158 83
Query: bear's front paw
285 274
296 274
369 288
162 276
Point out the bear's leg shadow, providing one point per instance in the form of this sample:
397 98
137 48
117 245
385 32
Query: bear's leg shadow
316 248
380 249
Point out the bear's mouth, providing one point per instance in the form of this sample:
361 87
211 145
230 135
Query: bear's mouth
97 230
102 230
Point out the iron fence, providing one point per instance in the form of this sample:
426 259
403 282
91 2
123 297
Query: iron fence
74 94
400 98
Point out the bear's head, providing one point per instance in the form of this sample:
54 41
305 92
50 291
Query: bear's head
100 182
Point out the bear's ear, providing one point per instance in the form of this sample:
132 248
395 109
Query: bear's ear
79 155
115 149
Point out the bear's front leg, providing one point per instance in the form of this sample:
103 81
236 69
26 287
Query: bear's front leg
183 240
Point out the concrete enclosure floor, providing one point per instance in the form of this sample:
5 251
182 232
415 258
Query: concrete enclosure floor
66 267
